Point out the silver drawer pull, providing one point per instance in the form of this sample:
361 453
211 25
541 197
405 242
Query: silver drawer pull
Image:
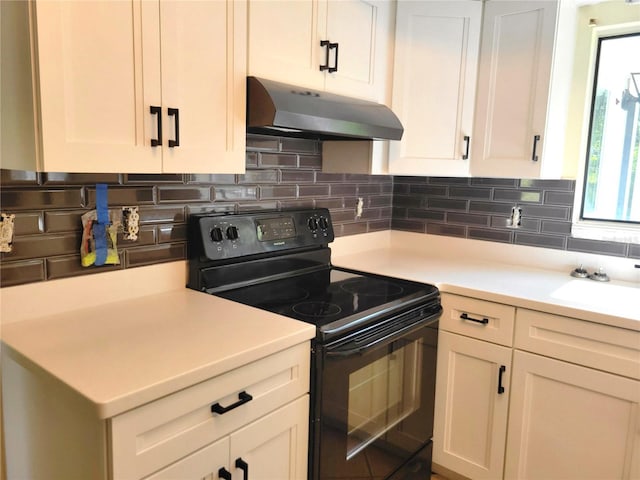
483 321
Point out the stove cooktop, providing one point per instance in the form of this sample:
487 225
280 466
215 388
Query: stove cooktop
332 298
281 262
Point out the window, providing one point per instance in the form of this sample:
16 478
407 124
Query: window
612 179
611 186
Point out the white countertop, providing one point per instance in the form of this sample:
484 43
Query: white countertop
126 353
147 336
615 303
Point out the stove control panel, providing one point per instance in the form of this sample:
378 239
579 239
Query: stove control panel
236 235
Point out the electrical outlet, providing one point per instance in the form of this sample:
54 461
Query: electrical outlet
130 220
359 207
515 219
6 232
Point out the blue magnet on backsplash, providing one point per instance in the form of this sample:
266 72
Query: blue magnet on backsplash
99 232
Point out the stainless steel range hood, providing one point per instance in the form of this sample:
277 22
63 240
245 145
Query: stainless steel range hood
279 109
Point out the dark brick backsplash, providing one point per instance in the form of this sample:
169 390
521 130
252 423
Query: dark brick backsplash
43 198
491 235
281 173
480 207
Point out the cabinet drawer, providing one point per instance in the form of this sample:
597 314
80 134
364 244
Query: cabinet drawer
604 347
154 435
489 321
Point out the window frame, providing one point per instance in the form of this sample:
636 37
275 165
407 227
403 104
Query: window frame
614 231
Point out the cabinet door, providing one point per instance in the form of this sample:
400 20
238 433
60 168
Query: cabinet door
201 465
436 61
513 87
569 421
158 433
203 77
284 41
471 413
275 447
94 99
363 30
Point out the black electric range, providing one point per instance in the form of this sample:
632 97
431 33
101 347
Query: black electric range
336 300
281 262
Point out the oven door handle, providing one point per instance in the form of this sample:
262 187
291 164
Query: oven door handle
383 339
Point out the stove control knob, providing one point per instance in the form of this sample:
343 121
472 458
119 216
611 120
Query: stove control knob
216 234
324 223
313 224
232 233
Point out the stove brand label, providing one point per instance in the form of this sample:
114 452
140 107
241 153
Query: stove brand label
277 244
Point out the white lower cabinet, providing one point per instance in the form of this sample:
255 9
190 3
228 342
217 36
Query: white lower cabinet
471 405
207 463
253 418
576 414
572 394
250 406
273 447
472 386
571 422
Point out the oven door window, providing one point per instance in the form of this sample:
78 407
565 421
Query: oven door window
381 395
376 407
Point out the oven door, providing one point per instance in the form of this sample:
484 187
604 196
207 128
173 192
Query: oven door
376 404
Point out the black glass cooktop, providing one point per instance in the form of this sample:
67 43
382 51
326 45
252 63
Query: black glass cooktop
333 297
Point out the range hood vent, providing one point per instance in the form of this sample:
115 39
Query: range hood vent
276 108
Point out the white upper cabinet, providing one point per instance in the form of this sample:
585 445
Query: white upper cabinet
436 61
482 88
284 41
91 93
522 89
203 46
343 47
363 31
106 75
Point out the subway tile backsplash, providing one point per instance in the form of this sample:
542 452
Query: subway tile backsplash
479 208
281 173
